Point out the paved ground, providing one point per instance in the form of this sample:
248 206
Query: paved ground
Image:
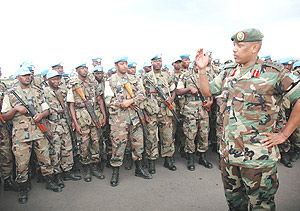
180 190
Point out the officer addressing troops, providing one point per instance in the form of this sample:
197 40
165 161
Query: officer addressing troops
252 91
123 96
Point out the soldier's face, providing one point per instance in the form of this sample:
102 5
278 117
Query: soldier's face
147 69
25 79
132 70
54 81
122 67
96 63
156 64
98 76
177 65
243 52
59 69
82 71
185 62
288 66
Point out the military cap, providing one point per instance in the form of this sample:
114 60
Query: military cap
164 66
247 35
264 58
121 59
286 61
131 64
44 72
216 60
97 59
82 64
98 68
147 64
185 56
113 69
23 71
65 75
296 64
52 73
157 56
60 64
176 59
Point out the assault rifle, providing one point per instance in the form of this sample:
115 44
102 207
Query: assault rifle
6 125
164 97
204 102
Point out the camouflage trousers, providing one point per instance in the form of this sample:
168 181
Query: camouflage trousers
6 162
89 145
22 152
62 160
106 146
121 134
212 136
246 185
164 127
196 128
219 127
178 133
295 137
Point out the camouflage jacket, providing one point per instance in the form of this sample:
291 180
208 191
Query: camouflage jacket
251 105
154 105
212 72
116 93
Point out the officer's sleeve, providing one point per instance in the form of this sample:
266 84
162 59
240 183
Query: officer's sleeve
6 107
216 84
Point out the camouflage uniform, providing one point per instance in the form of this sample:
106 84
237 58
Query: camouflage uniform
252 97
125 123
62 160
26 136
160 116
89 141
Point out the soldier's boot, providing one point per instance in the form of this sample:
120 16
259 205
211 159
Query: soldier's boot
144 160
295 155
75 167
10 185
285 160
23 198
182 152
108 158
168 164
51 185
173 159
69 175
152 167
86 173
59 181
114 181
96 171
127 161
204 162
140 171
190 162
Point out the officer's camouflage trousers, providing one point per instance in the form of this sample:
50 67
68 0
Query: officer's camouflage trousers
89 145
164 127
121 133
62 160
219 127
212 136
246 185
191 127
6 163
22 152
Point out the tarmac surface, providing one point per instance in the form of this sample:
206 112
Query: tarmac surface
180 190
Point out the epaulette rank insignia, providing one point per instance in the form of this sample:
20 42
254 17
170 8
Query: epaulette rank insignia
275 65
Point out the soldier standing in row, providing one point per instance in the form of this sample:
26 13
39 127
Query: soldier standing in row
124 96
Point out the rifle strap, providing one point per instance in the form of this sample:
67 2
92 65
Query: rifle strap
59 96
163 80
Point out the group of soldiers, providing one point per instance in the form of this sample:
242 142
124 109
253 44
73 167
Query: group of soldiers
48 124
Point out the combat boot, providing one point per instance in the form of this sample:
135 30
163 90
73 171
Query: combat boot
86 173
69 175
127 161
10 185
152 167
59 181
168 164
115 177
295 155
51 185
204 162
96 171
285 161
182 153
190 162
140 171
144 160
23 198
108 158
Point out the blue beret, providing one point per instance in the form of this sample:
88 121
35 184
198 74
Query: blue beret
23 71
191 65
28 64
52 73
164 66
216 60
44 72
65 75
264 58
82 64
147 64
98 59
121 59
98 68
209 52
286 61
113 69
60 64
157 56
185 56
176 59
131 64
296 64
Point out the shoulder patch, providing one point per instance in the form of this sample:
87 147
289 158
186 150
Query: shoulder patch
231 65
274 65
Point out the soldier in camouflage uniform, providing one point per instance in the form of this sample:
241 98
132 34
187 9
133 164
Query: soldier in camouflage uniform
86 130
26 136
195 118
62 160
252 92
63 84
44 75
124 121
160 117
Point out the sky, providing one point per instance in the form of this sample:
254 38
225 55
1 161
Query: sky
74 31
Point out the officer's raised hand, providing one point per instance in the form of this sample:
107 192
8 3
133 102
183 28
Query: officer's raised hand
202 60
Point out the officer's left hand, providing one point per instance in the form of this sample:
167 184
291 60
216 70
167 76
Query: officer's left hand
201 60
273 139
38 117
